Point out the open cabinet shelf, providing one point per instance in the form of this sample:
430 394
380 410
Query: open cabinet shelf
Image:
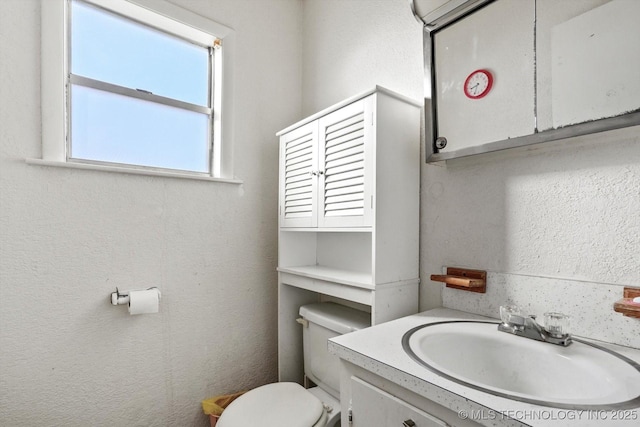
335 275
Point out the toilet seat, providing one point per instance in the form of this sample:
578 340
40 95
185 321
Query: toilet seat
275 405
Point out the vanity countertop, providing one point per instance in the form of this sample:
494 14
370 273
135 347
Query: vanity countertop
379 350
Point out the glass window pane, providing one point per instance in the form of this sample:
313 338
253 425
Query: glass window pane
107 47
113 128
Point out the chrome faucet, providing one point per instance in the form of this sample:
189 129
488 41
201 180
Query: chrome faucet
555 330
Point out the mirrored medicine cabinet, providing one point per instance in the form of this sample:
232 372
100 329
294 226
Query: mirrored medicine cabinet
508 73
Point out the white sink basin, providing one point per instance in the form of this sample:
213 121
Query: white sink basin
476 354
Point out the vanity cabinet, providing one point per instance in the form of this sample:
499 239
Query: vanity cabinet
368 400
373 407
348 214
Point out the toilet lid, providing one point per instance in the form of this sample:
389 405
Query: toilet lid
273 405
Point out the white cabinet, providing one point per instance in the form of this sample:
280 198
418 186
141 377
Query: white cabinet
349 213
368 400
326 170
298 177
373 407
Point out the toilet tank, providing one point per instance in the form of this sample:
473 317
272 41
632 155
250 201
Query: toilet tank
327 320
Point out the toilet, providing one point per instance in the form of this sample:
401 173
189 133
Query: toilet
289 404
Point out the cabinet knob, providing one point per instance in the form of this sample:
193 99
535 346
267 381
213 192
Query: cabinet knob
408 423
313 173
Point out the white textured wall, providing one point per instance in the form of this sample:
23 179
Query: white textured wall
350 46
568 211
69 237
561 222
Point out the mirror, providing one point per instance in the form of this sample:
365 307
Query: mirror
508 73
475 51
588 60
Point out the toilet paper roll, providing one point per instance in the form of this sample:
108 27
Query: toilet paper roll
144 302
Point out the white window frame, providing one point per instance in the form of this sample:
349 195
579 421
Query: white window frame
164 16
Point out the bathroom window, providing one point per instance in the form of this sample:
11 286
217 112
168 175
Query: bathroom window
138 95
141 86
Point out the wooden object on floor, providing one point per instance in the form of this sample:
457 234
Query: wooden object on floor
626 305
463 279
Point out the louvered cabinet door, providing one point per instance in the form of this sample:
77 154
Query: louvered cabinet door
298 177
346 166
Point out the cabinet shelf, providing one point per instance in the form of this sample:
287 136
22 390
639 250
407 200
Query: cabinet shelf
329 274
328 230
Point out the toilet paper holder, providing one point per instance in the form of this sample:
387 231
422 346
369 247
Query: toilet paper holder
118 298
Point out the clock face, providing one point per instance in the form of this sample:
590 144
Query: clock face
478 84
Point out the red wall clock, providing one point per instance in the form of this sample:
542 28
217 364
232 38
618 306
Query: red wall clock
478 84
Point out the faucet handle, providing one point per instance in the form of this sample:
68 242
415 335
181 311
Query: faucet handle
557 324
507 312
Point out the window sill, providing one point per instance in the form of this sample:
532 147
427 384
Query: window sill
103 168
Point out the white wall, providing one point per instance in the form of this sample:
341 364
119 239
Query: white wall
350 46
557 226
566 211
69 237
